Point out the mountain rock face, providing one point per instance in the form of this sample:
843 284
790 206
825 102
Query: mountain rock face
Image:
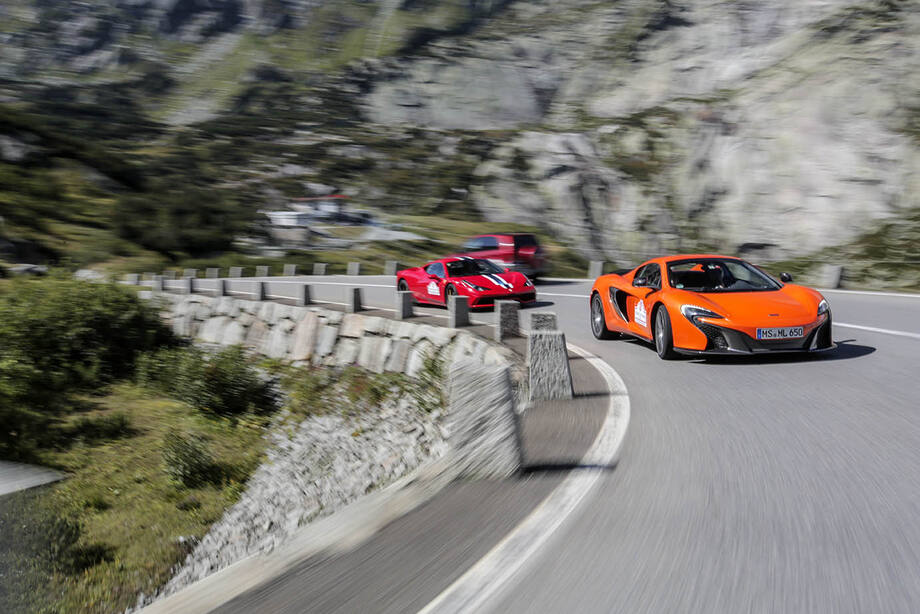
632 127
776 128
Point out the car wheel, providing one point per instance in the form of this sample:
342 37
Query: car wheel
664 340
598 325
402 286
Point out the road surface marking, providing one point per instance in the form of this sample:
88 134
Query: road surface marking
568 295
884 331
483 581
871 293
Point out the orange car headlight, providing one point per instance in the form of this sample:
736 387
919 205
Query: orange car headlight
692 312
822 307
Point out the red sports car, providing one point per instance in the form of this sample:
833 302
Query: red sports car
482 281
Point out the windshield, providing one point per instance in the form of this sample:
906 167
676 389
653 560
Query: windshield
717 275
472 266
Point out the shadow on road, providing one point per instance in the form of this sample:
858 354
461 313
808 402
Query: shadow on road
845 350
562 467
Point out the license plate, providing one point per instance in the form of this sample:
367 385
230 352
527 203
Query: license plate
790 332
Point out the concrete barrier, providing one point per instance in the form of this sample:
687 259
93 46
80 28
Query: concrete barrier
158 283
222 289
354 302
458 311
548 361
595 269
390 267
133 278
169 275
190 273
319 268
236 271
290 270
354 268
831 276
404 304
262 271
212 273
543 320
259 291
304 296
507 323
188 285
484 437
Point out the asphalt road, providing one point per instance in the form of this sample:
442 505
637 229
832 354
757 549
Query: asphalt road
777 484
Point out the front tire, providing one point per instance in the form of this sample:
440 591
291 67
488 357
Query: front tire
664 339
598 323
402 286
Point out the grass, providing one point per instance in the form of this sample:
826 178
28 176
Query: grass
132 515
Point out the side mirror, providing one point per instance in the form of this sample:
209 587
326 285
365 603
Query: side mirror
507 270
640 282
785 277
433 276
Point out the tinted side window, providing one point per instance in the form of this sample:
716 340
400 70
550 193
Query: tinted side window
640 273
473 245
489 242
435 268
525 241
653 274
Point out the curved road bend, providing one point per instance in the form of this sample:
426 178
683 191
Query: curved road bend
777 484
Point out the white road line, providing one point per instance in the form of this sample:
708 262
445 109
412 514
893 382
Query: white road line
568 295
884 331
483 582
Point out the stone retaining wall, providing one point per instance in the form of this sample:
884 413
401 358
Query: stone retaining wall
323 337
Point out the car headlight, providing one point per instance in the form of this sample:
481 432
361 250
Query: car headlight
473 286
822 307
691 312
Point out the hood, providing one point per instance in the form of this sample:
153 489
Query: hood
784 304
497 281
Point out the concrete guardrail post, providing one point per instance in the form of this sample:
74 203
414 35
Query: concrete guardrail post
507 322
319 268
262 271
188 285
259 290
133 279
290 270
390 267
304 297
543 320
212 273
484 439
148 276
158 283
169 275
236 271
354 302
354 268
404 303
831 276
190 273
458 311
548 362
222 288
595 269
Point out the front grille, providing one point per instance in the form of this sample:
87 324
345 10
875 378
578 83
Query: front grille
714 335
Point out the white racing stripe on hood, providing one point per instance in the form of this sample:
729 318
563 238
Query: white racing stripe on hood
498 281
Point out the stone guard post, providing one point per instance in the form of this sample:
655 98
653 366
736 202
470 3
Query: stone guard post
484 438
169 275
259 290
236 271
222 289
290 270
188 285
458 311
262 271
319 268
354 301
390 267
133 279
507 322
831 276
543 320
212 273
354 268
190 273
595 269
304 296
158 283
404 305
548 362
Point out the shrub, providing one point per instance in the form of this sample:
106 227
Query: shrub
225 383
187 460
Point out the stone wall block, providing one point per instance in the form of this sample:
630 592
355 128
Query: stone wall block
234 334
352 326
305 337
417 355
346 352
399 355
325 340
277 344
267 312
256 334
482 423
373 353
595 269
212 331
548 361
374 325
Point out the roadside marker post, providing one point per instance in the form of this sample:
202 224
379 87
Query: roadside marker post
458 311
404 308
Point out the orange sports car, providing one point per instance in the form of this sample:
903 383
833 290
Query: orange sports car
706 304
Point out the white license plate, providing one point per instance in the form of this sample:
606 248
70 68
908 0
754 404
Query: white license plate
790 332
